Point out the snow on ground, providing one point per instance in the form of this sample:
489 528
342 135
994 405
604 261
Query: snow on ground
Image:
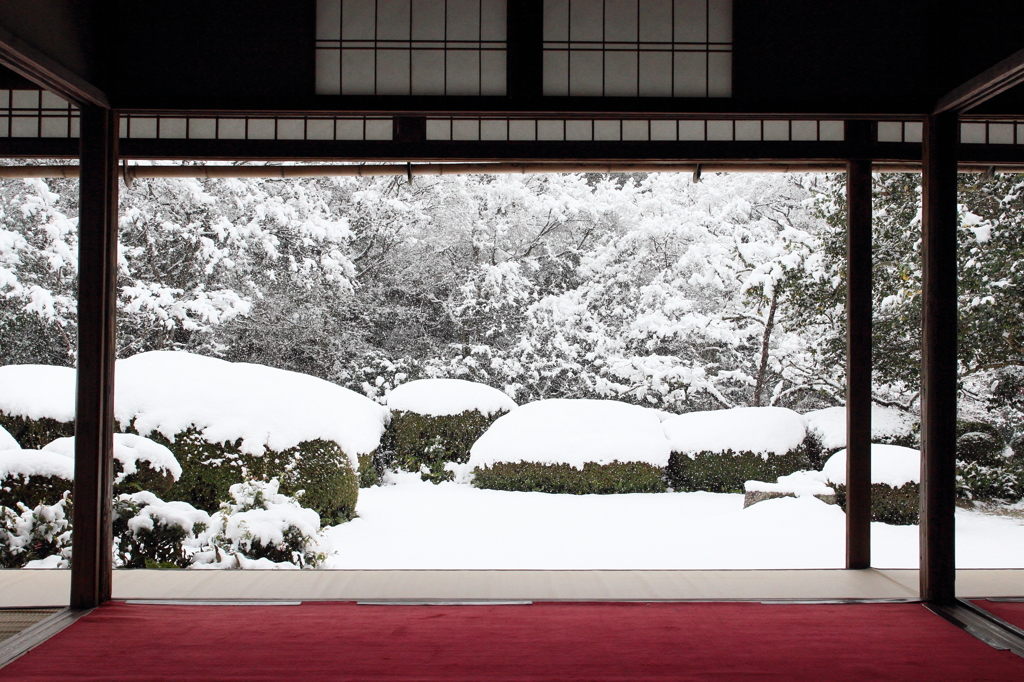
890 464
129 450
886 422
764 430
166 391
36 463
37 391
573 432
444 397
417 525
7 441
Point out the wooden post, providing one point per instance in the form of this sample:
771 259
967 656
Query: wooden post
858 364
92 559
524 65
939 358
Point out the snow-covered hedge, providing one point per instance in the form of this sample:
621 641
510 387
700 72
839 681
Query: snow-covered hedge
436 421
720 450
895 474
262 528
34 477
34 535
37 403
151 533
573 446
889 425
139 463
7 441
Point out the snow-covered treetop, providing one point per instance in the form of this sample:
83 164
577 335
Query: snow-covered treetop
129 450
38 391
890 464
442 397
762 430
168 391
20 463
829 424
574 432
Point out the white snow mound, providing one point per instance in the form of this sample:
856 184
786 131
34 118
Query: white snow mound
154 510
38 391
762 430
167 391
800 483
445 397
829 424
890 464
21 463
7 441
573 432
129 449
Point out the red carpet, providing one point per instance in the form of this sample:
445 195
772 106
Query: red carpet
549 641
1011 612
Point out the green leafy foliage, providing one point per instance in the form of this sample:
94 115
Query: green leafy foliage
592 479
318 468
32 490
426 443
33 434
726 472
898 506
33 533
151 541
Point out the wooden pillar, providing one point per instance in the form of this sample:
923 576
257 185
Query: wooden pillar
524 61
92 559
858 364
939 358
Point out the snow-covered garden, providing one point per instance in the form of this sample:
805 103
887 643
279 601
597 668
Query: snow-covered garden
500 372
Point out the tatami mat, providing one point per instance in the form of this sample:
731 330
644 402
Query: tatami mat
20 588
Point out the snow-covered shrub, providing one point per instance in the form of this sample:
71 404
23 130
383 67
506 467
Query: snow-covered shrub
35 533
979 443
230 422
719 451
262 524
151 533
436 421
895 474
37 403
139 463
573 446
826 430
34 477
977 482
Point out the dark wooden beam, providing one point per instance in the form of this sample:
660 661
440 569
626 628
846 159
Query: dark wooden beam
45 72
939 359
984 86
91 568
858 364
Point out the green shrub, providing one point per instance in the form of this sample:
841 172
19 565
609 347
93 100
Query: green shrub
593 479
32 491
726 472
33 434
145 478
980 447
145 536
984 483
34 533
318 468
425 444
897 506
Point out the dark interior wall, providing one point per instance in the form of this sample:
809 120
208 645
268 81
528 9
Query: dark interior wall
60 29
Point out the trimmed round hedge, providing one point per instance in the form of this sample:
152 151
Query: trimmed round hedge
899 506
33 490
319 468
33 434
416 442
726 472
592 479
